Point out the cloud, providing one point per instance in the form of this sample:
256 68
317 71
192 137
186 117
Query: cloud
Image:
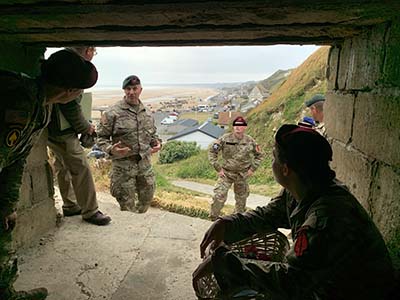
174 65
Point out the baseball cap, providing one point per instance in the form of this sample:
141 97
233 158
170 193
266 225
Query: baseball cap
316 98
67 69
239 121
130 80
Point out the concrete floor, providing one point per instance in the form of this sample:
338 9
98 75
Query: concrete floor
137 256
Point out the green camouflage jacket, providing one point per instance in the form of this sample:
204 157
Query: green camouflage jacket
238 155
135 129
23 115
338 252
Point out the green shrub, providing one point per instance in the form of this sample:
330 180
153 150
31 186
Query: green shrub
177 150
197 167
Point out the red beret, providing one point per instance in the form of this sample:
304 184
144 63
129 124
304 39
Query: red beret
304 150
239 121
67 69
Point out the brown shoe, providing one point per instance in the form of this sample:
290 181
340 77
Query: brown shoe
35 294
98 219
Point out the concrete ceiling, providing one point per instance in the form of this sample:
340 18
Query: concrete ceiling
162 23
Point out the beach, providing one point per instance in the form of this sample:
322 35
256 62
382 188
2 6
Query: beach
153 97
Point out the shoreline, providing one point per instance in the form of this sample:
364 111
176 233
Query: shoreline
153 98
110 96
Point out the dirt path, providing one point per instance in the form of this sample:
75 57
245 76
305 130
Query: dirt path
252 201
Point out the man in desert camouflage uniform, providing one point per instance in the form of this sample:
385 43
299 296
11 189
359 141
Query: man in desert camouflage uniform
316 107
128 134
337 254
25 109
241 157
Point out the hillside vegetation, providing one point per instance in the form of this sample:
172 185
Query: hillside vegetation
286 104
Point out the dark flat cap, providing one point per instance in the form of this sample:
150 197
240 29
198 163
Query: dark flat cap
130 80
67 69
239 121
315 99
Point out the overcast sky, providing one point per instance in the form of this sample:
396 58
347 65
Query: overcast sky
174 65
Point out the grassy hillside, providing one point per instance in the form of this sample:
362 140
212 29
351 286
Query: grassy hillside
275 80
285 105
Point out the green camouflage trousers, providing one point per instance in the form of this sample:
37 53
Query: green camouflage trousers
240 187
8 261
132 183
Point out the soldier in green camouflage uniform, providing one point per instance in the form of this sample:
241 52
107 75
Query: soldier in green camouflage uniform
128 134
316 106
241 157
337 254
24 112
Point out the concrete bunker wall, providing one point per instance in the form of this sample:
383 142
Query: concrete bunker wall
362 116
36 210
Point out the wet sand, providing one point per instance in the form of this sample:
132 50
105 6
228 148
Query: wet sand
103 97
153 97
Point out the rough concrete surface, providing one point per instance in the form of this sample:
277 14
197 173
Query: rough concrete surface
137 256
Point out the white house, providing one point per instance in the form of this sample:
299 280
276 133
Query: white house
204 135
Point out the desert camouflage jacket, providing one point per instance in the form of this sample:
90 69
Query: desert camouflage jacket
320 127
23 115
134 128
238 155
338 252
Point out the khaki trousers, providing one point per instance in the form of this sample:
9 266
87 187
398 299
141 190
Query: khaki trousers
73 173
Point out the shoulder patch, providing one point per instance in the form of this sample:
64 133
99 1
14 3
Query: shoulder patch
216 147
301 243
13 137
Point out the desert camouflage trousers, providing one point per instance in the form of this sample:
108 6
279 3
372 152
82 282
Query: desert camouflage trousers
133 183
240 188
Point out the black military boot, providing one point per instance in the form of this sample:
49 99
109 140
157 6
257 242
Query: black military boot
127 206
35 294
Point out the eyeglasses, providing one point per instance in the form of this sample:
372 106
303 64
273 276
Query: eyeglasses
93 49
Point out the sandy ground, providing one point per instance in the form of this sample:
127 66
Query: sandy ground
110 96
152 97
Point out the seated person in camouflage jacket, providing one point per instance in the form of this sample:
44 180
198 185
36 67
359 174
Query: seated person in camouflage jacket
338 252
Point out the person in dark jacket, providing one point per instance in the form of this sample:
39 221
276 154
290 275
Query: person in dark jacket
25 109
338 252
72 169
